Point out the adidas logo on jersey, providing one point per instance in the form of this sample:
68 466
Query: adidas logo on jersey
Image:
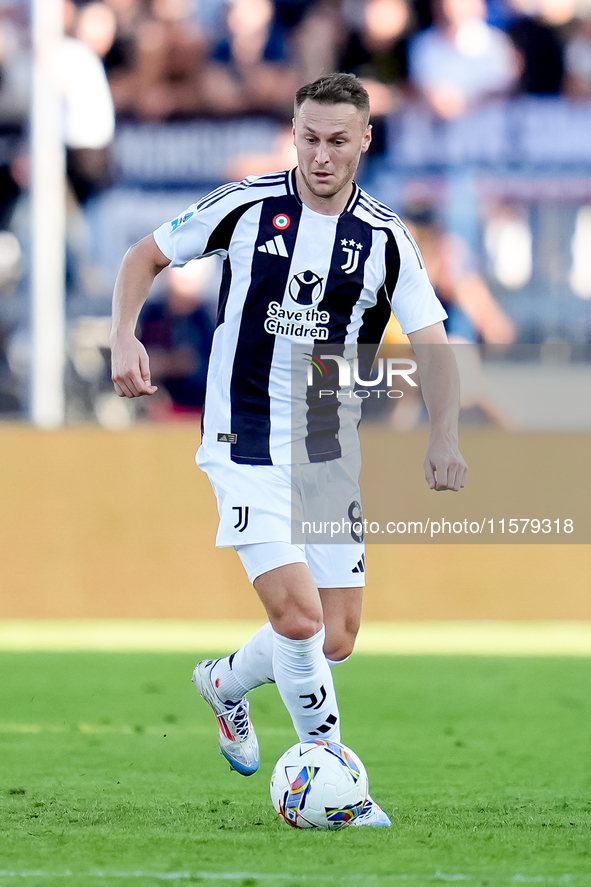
360 568
275 247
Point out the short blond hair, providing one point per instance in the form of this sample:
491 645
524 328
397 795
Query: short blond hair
335 89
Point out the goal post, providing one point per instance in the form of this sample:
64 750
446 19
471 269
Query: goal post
48 220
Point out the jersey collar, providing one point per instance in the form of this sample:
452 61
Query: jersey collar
293 189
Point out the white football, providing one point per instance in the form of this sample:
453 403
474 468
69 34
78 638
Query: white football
319 784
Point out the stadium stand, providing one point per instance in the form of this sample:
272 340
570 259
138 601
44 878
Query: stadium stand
196 86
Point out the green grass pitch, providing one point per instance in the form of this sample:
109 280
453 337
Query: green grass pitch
110 774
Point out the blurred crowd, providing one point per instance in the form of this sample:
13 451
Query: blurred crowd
158 61
171 59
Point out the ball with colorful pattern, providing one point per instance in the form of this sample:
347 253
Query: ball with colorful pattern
319 784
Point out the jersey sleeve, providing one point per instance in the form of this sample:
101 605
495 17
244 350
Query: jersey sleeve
199 230
412 297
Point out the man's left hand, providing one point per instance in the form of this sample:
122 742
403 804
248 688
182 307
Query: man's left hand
445 468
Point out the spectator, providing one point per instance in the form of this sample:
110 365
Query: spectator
120 59
473 313
15 65
251 68
10 403
177 334
539 35
577 82
317 40
161 77
474 316
11 268
96 26
461 61
377 53
89 112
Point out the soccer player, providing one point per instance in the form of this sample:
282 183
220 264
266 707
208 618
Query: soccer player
305 243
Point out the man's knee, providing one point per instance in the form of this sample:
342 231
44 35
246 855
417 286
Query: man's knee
295 617
291 600
339 642
296 625
342 615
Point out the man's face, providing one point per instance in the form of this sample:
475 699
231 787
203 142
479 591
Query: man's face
329 140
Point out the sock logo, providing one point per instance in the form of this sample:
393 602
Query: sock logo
242 522
314 699
324 728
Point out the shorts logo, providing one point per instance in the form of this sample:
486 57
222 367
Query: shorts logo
305 288
360 568
281 221
242 522
228 438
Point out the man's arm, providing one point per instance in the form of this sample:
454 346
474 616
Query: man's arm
130 369
445 468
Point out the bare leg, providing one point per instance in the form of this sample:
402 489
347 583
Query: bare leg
342 614
302 674
292 601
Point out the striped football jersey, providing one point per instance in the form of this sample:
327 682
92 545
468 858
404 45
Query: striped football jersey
294 281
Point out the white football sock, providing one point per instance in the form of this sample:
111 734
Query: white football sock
304 681
247 668
334 662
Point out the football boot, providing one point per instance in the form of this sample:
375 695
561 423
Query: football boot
372 814
238 741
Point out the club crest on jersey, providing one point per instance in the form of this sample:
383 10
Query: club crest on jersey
305 288
352 250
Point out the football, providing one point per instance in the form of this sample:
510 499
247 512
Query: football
319 784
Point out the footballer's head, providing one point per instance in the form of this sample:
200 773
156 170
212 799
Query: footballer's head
331 130
335 89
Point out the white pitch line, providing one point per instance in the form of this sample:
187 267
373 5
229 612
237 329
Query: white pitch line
282 876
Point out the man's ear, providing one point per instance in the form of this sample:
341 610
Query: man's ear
366 139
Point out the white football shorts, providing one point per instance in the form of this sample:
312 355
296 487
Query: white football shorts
272 515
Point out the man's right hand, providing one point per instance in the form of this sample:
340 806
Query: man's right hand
130 368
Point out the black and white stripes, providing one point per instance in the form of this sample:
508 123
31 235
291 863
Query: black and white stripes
293 276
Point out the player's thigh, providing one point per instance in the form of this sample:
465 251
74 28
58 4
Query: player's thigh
284 584
291 599
339 572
